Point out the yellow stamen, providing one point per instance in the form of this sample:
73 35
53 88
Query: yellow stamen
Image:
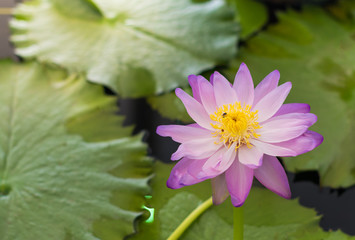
235 124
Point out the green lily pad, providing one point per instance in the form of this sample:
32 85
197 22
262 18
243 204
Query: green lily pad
54 182
267 216
316 52
171 107
295 2
137 48
252 15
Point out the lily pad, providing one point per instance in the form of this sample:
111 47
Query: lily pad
296 2
267 216
169 106
54 183
315 50
252 15
137 48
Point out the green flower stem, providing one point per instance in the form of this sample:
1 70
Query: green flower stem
238 222
190 219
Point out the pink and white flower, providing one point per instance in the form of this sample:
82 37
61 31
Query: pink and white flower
238 133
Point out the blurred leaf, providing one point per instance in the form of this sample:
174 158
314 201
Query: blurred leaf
297 2
316 52
267 216
169 106
252 15
55 185
135 47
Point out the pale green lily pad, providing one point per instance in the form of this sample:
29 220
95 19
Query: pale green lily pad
316 52
54 184
267 216
252 16
135 47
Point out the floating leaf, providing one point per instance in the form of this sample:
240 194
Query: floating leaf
169 106
295 2
54 184
316 52
267 216
135 47
252 15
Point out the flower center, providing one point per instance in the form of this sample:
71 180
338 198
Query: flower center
235 124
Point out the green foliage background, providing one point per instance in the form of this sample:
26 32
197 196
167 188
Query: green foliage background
69 169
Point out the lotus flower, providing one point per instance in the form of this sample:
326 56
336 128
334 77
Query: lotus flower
238 133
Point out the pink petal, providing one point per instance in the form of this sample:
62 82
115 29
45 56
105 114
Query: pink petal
273 149
272 175
223 91
293 108
207 97
195 168
304 143
179 177
292 119
193 81
212 79
239 179
180 133
196 149
251 157
219 162
244 86
272 102
208 168
219 189
227 159
285 127
268 84
194 109
275 135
